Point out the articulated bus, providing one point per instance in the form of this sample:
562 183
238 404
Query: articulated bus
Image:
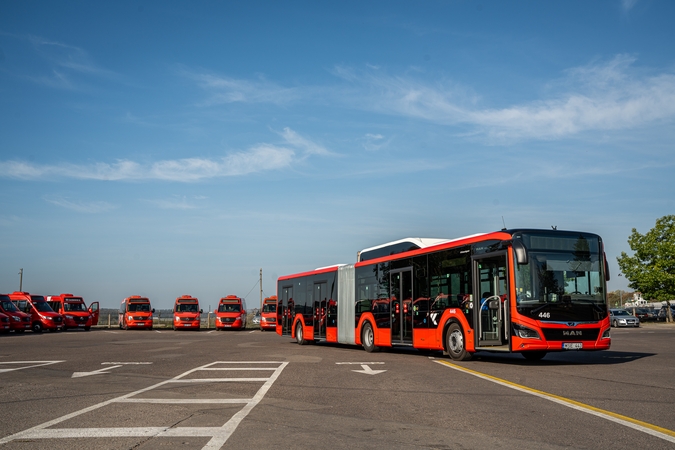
522 290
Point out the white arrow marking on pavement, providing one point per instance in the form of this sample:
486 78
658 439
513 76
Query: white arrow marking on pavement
368 371
95 372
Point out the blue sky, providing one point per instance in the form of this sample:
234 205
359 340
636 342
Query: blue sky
168 148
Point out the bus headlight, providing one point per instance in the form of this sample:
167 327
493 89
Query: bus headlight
525 333
605 334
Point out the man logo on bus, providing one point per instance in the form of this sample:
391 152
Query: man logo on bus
571 332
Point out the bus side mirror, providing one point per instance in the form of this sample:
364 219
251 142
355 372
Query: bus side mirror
606 268
153 310
201 311
521 252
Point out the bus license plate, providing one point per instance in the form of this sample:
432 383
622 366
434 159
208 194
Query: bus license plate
81 325
572 346
187 324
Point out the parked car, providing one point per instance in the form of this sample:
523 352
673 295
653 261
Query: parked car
661 315
622 318
256 319
645 314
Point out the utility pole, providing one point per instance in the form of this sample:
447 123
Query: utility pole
260 290
20 280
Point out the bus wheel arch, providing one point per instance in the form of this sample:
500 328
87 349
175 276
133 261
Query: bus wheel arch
368 337
455 342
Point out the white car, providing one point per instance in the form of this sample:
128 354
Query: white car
256 319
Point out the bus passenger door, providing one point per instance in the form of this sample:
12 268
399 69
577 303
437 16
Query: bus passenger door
320 305
491 290
400 293
286 310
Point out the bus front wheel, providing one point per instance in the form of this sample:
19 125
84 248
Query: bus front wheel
368 338
298 335
455 344
533 355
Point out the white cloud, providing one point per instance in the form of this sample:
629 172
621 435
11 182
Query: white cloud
175 202
599 96
258 158
79 206
309 147
627 5
374 142
231 90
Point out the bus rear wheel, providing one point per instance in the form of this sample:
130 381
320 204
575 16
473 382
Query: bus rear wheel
368 338
299 335
455 344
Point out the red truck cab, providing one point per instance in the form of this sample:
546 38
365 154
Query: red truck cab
136 312
231 313
186 313
268 315
74 311
18 321
42 315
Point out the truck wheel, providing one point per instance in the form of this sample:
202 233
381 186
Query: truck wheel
455 344
368 338
37 327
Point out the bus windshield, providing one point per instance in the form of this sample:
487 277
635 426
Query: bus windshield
563 280
8 306
187 307
269 308
74 306
139 307
42 306
229 307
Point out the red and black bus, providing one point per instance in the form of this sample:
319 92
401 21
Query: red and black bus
522 290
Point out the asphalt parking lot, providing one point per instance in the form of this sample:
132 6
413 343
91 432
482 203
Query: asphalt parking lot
116 389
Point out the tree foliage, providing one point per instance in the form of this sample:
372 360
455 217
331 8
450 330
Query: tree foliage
651 270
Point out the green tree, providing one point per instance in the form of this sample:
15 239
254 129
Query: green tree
651 269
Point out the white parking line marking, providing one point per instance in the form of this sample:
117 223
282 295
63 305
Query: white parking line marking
94 372
219 435
123 363
359 363
32 364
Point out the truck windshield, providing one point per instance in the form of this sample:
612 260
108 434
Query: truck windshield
74 306
563 280
187 307
139 307
269 308
232 307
